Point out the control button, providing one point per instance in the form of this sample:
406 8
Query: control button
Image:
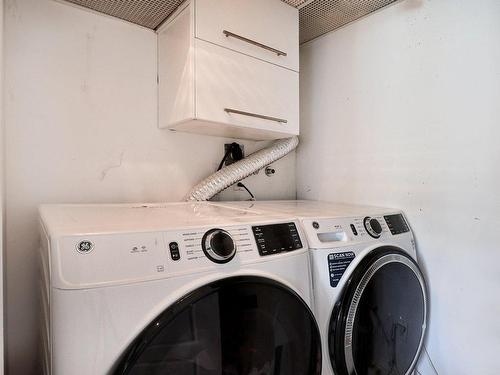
174 251
315 225
354 231
373 227
218 246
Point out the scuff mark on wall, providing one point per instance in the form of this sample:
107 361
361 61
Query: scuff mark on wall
106 170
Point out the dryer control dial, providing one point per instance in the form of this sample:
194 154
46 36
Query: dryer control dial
373 227
218 246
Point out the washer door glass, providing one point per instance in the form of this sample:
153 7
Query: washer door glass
234 326
378 325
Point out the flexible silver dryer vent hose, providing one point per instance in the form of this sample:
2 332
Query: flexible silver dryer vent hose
236 172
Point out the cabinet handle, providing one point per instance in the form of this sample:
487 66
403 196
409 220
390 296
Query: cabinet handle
274 50
280 120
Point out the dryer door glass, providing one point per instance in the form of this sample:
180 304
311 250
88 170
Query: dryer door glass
234 326
378 325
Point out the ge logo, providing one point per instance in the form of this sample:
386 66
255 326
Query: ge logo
84 247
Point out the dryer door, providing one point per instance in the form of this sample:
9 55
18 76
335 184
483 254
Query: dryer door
378 324
240 325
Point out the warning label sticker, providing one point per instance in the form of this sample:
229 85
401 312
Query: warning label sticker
337 264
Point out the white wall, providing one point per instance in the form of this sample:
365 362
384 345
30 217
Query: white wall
80 97
402 109
2 305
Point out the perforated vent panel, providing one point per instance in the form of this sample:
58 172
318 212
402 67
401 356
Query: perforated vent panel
147 13
317 17
296 3
321 16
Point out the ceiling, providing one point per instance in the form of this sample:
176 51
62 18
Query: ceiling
317 17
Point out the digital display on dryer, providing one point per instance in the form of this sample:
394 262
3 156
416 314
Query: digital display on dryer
396 224
276 238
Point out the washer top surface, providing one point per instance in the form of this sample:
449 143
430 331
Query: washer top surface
70 219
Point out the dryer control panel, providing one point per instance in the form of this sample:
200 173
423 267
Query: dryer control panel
337 232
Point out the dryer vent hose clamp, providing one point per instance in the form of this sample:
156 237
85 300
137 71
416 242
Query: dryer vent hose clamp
236 172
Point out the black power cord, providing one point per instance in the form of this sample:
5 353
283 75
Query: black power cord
240 184
236 153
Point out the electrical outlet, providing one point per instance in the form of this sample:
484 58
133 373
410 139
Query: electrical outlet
230 160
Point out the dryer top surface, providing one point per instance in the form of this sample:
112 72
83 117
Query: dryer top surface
308 208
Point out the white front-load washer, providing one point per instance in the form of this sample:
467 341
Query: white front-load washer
369 294
178 289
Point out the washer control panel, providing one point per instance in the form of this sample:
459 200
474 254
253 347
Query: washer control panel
106 259
214 246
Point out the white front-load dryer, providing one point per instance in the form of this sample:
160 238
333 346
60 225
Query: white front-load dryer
369 294
178 289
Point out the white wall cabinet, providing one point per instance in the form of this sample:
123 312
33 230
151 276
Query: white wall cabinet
271 23
224 70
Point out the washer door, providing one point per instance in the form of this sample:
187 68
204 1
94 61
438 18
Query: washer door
241 325
378 325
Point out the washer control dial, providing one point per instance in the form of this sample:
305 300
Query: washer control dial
218 246
373 227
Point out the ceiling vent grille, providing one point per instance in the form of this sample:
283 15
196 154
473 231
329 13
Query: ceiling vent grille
322 16
147 13
297 3
317 17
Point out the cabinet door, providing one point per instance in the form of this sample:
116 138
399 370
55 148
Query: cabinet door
228 82
236 24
